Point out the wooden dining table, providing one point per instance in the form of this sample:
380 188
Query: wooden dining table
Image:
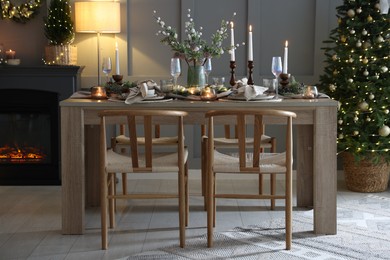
316 163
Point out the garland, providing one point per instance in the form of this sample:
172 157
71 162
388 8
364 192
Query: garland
21 13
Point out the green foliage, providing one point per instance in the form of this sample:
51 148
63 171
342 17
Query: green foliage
193 49
58 24
357 75
119 88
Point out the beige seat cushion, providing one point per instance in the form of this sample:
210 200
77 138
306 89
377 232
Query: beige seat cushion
122 139
162 162
269 162
227 142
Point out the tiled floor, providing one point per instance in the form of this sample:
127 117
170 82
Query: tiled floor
30 220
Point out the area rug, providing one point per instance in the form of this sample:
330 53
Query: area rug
363 232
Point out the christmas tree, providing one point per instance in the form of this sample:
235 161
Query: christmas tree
357 75
58 25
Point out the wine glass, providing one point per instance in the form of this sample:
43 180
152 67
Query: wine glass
107 66
207 69
276 70
175 69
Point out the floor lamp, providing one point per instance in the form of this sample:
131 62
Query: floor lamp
98 17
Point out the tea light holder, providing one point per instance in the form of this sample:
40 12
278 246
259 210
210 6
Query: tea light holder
208 94
98 93
10 54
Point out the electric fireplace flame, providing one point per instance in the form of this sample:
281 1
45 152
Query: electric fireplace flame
26 154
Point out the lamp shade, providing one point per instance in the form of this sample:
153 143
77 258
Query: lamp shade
97 17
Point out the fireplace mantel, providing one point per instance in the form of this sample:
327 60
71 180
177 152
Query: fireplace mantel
64 80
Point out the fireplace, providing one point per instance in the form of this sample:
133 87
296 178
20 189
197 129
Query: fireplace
29 122
29 143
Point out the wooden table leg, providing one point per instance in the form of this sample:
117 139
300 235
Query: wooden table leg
72 170
325 171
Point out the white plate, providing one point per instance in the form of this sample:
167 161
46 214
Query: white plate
259 97
153 98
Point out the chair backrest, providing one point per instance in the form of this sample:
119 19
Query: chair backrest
148 119
244 119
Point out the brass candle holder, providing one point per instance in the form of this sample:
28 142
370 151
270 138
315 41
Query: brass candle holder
284 80
250 67
117 78
232 73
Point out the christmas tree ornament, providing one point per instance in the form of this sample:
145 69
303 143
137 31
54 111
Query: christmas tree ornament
379 39
351 13
365 73
384 69
364 32
363 106
384 130
386 111
340 122
366 45
365 60
350 80
332 87
352 31
355 119
369 18
343 38
359 10
368 119
355 133
339 20
341 136
351 60
335 72
371 96
358 44
334 57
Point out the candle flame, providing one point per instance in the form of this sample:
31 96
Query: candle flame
286 44
232 24
250 28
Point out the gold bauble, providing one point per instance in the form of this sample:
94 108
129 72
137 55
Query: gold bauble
369 19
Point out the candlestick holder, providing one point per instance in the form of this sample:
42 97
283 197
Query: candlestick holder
118 78
284 80
232 73
250 67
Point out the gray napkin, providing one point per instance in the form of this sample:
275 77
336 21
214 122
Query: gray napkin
139 92
248 91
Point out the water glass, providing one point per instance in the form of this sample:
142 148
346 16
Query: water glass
166 85
272 85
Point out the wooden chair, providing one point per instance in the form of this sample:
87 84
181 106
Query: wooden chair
120 142
143 159
230 141
259 163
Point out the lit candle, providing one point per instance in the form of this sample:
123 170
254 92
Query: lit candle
285 58
232 53
10 54
117 70
98 92
250 44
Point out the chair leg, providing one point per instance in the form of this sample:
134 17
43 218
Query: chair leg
204 170
210 209
273 189
124 183
111 201
182 206
187 195
103 212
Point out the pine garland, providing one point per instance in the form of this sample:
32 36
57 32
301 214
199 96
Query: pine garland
19 13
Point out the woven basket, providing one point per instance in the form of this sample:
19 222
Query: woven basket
61 55
364 176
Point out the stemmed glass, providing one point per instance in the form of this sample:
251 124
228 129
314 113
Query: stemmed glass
107 66
175 69
276 70
207 69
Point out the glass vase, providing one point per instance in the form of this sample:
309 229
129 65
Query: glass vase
196 76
